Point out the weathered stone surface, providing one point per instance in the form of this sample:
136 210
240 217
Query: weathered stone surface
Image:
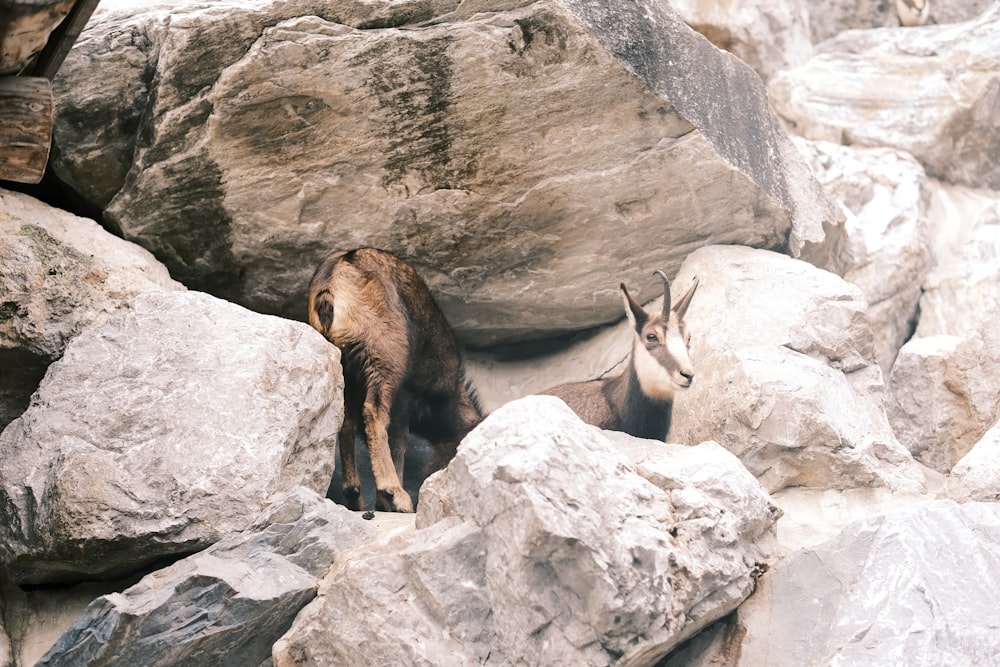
930 91
540 543
768 36
962 291
943 394
884 195
160 431
916 586
60 273
976 476
415 141
786 376
225 605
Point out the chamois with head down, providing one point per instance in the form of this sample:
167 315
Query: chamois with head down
640 400
402 367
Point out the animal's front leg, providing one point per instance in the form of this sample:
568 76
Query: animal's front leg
389 493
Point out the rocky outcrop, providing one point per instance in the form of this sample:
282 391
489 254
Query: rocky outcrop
415 141
912 587
946 77
541 543
161 431
225 605
786 374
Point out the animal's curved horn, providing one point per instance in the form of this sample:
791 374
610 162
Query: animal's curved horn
666 292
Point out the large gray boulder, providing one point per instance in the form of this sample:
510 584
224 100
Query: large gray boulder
786 375
507 149
225 605
161 431
928 91
542 544
916 586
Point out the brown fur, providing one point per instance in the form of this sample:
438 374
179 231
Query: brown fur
402 367
640 400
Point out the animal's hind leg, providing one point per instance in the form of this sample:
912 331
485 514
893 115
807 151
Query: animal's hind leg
350 480
389 492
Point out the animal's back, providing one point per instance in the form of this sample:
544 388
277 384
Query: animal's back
356 293
589 400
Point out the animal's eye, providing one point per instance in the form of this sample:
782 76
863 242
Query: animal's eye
651 338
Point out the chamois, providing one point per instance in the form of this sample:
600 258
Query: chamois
640 400
402 368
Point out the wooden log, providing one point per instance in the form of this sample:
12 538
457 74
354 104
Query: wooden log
25 127
63 38
25 27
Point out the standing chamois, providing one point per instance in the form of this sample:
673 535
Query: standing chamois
640 400
402 368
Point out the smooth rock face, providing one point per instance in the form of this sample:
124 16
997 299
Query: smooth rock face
60 273
976 476
943 395
541 544
786 376
225 605
962 291
160 431
644 142
931 92
884 195
916 586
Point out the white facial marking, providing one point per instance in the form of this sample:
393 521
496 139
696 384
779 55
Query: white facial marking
653 378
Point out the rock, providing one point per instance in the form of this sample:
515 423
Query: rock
60 273
225 605
541 543
768 36
962 291
976 476
161 431
916 586
414 141
884 195
828 18
786 376
943 395
930 92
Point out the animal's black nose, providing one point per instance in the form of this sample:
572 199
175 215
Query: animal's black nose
688 376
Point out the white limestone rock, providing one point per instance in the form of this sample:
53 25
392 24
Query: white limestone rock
160 431
786 376
541 543
944 395
976 476
930 92
915 586
884 195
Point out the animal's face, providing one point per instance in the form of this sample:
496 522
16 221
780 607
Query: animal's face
661 358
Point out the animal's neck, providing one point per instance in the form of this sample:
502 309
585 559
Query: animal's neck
640 415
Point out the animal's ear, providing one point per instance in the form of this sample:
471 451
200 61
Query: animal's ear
685 301
636 314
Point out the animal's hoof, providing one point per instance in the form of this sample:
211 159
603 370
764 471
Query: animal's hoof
393 500
368 516
353 498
